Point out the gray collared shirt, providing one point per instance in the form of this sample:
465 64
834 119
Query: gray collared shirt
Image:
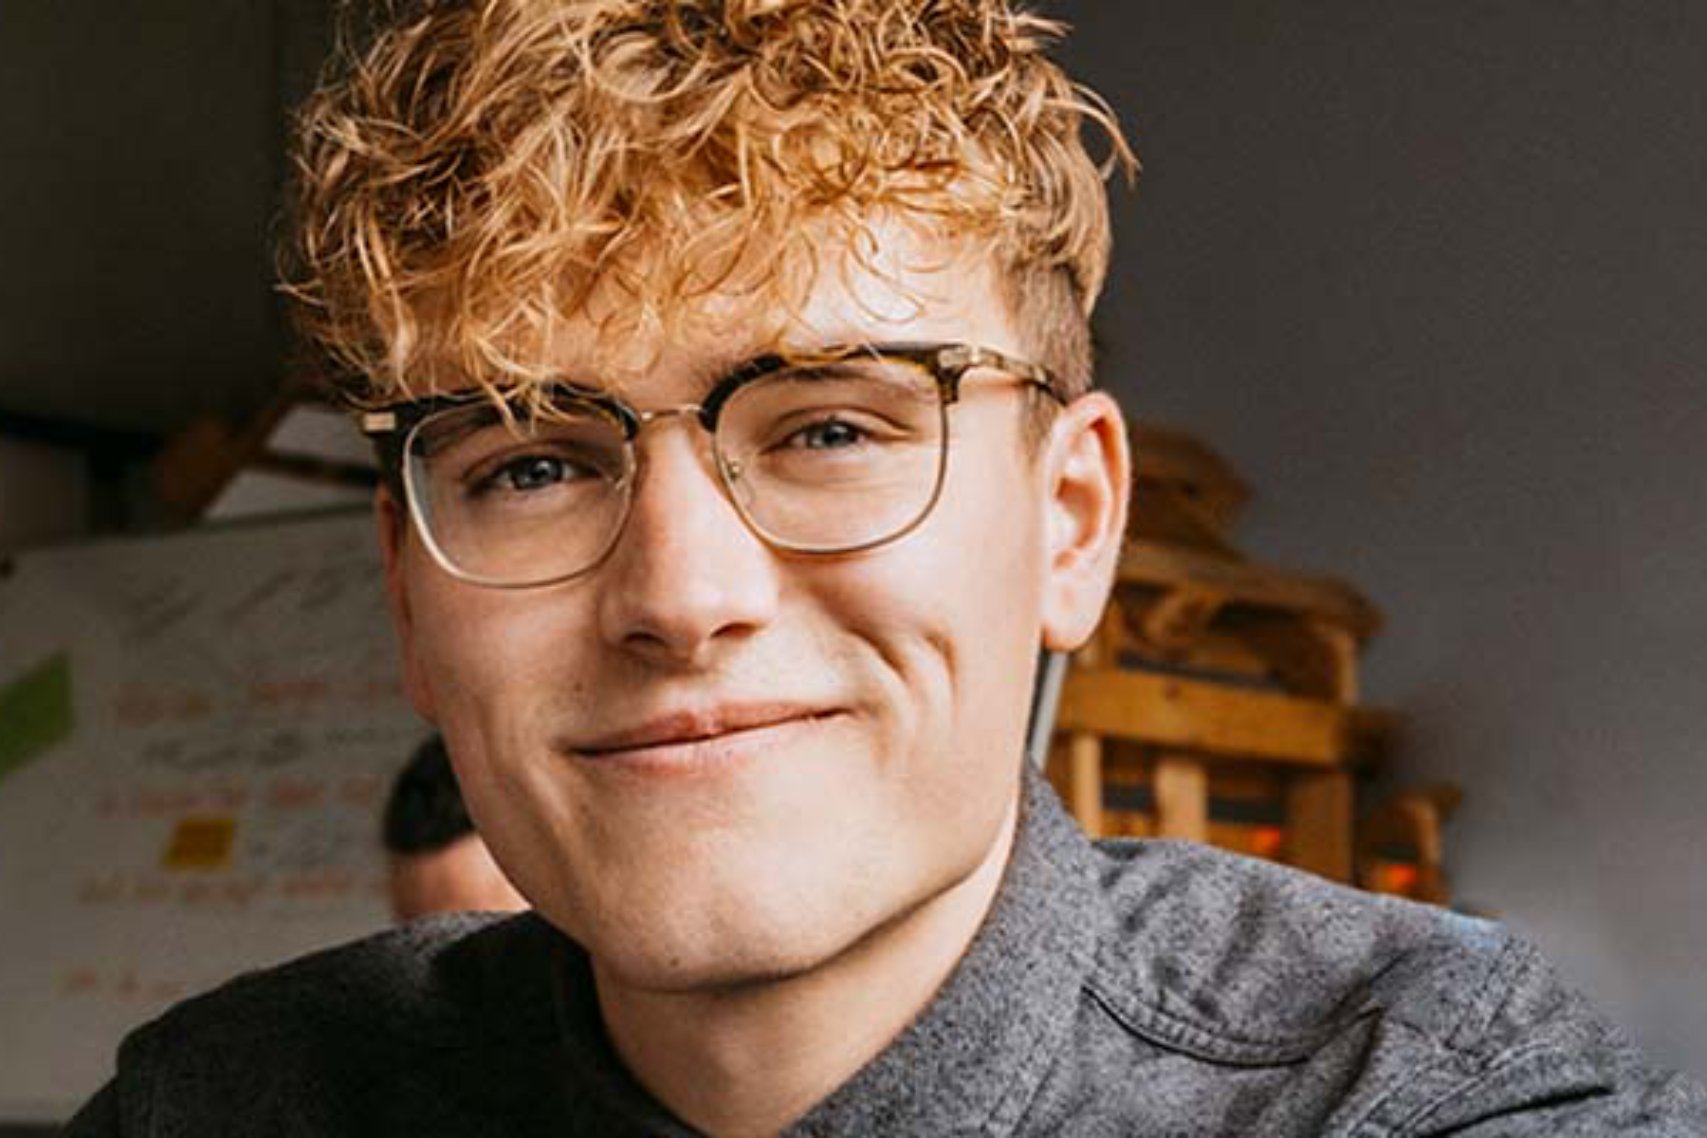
1148 988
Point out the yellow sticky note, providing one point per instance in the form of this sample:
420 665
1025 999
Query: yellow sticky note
201 843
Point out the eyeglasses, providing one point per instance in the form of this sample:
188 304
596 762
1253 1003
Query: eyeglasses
831 452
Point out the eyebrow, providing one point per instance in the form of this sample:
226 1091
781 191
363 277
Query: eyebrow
584 379
448 434
705 377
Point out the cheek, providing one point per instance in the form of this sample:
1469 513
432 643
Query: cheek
474 648
986 557
953 613
499 669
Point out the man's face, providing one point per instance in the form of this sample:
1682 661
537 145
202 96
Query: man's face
708 761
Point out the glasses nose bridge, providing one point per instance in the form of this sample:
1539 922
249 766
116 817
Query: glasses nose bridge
698 414
695 411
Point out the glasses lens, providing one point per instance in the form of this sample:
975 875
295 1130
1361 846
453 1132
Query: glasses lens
835 456
522 499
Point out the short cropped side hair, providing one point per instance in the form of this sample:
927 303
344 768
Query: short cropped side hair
484 167
425 811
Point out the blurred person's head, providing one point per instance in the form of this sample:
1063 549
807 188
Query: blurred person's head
437 861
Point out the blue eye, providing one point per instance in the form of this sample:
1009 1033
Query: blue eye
532 472
831 434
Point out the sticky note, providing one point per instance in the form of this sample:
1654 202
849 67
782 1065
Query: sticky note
35 713
201 843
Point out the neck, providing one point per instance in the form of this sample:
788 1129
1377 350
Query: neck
749 1060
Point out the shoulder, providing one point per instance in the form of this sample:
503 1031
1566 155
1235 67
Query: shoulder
1252 957
396 982
338 1030
1438 1021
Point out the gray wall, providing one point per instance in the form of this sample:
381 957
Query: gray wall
141 146
1434 277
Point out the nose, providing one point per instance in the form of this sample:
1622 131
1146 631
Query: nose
687 579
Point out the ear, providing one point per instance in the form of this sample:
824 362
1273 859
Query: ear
391 518
1089 473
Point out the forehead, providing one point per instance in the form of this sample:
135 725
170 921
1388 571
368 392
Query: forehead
891 280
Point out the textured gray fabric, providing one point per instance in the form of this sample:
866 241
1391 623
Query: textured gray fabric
1125 989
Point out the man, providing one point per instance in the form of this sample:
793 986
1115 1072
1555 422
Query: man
729 363
436 861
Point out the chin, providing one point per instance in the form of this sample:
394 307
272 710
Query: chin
706 969
738 938
741 954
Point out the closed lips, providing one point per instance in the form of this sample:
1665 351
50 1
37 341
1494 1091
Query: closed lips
679 728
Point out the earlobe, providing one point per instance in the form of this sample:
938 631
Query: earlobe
1089 483
392 522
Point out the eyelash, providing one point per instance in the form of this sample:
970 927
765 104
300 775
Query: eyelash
490 478
820 425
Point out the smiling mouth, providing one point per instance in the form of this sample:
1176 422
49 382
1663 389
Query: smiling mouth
686 734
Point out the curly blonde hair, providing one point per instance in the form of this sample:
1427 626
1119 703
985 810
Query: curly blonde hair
485 166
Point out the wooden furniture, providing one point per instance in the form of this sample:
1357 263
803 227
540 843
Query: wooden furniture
1399 844
201 461
1219 699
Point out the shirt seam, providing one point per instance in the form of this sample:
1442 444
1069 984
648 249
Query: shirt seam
1463 1046
1158 1025
1451 1086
